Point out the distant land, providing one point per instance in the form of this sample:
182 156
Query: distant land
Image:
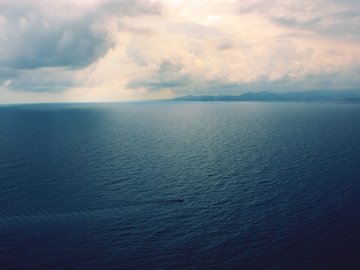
352 96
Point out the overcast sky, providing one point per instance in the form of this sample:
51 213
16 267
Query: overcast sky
110 50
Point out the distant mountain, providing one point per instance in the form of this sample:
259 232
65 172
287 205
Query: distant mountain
306 96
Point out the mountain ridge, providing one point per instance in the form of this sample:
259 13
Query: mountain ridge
304 96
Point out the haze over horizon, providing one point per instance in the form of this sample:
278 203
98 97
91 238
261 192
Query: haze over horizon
59 51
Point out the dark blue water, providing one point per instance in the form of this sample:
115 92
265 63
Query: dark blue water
180 186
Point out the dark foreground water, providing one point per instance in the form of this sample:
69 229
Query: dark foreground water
180 186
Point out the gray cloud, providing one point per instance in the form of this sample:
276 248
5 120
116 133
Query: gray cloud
257 6
72 45
7 74
168 75
131 8
43 80
296 23
33 37
316 16
51 37
344 25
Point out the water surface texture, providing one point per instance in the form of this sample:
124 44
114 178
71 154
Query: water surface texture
180 186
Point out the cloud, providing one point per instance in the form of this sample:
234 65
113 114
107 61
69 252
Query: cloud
169 74
59 34
345 25
297 24
51 46
335 19
151 48
43 80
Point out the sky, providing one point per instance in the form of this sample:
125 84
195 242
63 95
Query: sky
120 50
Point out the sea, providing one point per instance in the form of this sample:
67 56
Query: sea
180 185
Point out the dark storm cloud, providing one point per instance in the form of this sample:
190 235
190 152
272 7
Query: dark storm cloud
72 45
36 34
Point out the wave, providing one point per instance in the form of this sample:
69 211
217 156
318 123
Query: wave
54 214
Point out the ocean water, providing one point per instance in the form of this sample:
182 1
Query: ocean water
180 186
